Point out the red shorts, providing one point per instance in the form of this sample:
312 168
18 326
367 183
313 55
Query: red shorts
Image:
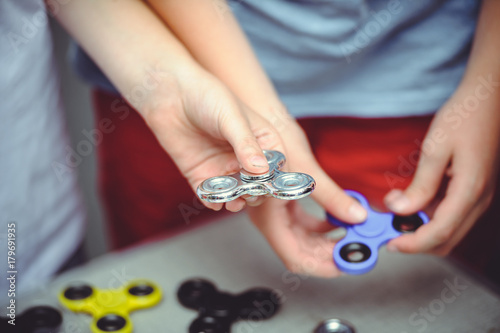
145 195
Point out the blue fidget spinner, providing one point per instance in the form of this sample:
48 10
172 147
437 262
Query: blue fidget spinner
277 183
357 252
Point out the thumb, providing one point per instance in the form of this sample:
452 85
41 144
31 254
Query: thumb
334 200
328 194
237 131
423 187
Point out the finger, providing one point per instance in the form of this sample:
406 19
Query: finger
423 187
212 205
216 165
451 212
334 200
309 222
327 193
315 258
235 128
464 227
317 261
235 205
255 201
445 248
266 138
330 196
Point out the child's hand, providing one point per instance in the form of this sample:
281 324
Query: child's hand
295 236
206 130
222 49
460 156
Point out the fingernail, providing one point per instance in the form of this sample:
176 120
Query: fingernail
392 248
237 208
399 204
259 161
252 199
393 195
357 212
215 206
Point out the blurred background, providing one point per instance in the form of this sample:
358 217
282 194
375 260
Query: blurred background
77 105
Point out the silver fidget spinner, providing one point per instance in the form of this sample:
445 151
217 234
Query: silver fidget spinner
279 184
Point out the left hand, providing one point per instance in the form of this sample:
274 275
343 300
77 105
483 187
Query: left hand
296 237
460 155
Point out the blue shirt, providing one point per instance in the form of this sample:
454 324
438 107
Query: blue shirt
363 58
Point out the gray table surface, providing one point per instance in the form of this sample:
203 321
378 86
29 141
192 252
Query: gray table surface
231 252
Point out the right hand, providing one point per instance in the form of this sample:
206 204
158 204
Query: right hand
209 132
297 237
206 130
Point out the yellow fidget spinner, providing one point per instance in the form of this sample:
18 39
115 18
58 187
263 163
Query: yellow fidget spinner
111 307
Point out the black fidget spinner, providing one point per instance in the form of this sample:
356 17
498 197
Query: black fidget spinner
38 319
217 310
